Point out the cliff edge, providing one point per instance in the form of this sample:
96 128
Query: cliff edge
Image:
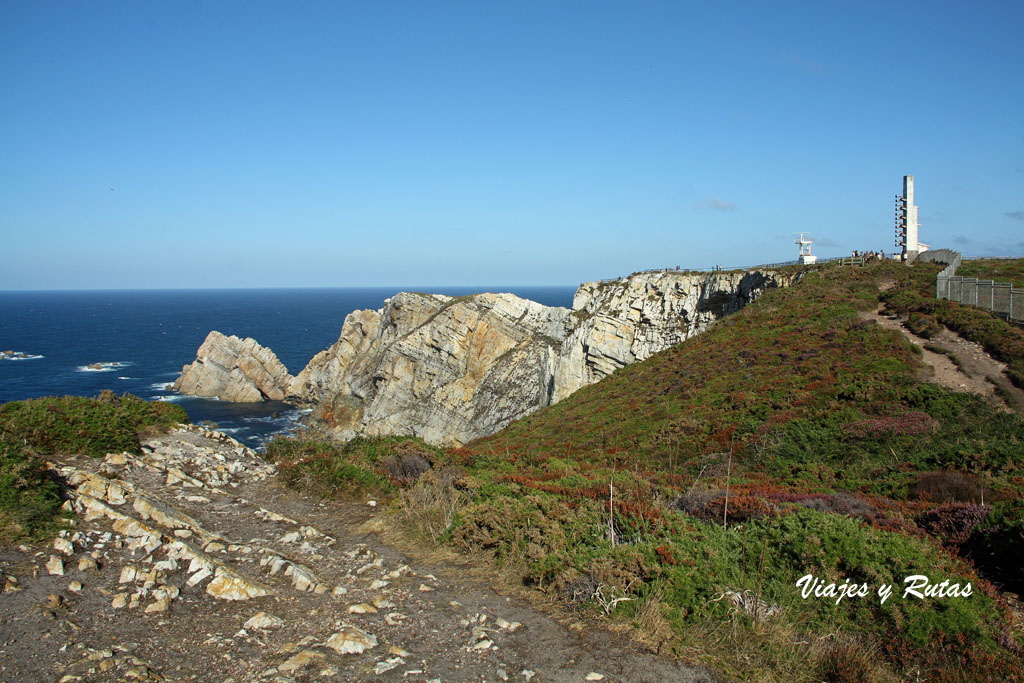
446 369
450 370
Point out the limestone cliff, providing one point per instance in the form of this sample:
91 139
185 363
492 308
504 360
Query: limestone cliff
446 369
234 369
629 320
454 369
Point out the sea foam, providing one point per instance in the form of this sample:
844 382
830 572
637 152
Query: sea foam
104 367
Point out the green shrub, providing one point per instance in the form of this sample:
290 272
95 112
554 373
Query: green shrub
29 496
364 465
74 424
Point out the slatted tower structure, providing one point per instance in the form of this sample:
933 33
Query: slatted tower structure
907 224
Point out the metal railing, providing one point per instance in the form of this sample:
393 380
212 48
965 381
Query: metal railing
1001 298
841 260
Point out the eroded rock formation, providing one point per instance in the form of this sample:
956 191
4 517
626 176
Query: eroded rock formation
234 369
624 321
445 369
454 369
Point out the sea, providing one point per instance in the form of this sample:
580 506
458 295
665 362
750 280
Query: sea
136 341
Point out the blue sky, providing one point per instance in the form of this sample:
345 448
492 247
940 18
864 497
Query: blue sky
243 144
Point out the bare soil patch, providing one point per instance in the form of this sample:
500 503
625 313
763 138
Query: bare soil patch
163 539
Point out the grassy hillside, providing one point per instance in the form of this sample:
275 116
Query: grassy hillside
33 430
915 296
1000 270
685 496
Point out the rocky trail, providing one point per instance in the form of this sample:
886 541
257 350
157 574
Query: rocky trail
191 563
965 365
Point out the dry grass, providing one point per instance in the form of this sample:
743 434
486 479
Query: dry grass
429 506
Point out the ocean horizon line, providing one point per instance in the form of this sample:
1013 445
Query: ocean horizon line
400 288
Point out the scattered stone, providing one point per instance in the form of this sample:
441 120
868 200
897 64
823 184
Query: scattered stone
508 625
63 545
351 640
227 585
339 590
299 661
425 588
115 459
502 674
75 587
119 601
362 608
199 577
168 565
55 565
594 676
483 644
166 592
398 652
157 606
263 620
387 665
86 563
128 573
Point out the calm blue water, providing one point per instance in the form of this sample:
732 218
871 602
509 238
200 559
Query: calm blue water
153 333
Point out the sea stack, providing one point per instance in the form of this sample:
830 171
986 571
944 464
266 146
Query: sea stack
451 370
234 369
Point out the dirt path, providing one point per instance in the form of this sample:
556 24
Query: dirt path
974 370
191 563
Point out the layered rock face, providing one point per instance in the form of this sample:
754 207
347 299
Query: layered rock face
445 369
234 369
629 320
454 369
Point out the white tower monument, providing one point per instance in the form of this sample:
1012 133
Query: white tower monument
907 224
804 244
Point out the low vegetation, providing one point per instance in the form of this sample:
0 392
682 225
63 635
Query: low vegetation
35 429
915 296
29 496
998 270
685 496
75 424
356 468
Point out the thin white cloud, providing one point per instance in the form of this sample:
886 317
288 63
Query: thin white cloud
716 204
